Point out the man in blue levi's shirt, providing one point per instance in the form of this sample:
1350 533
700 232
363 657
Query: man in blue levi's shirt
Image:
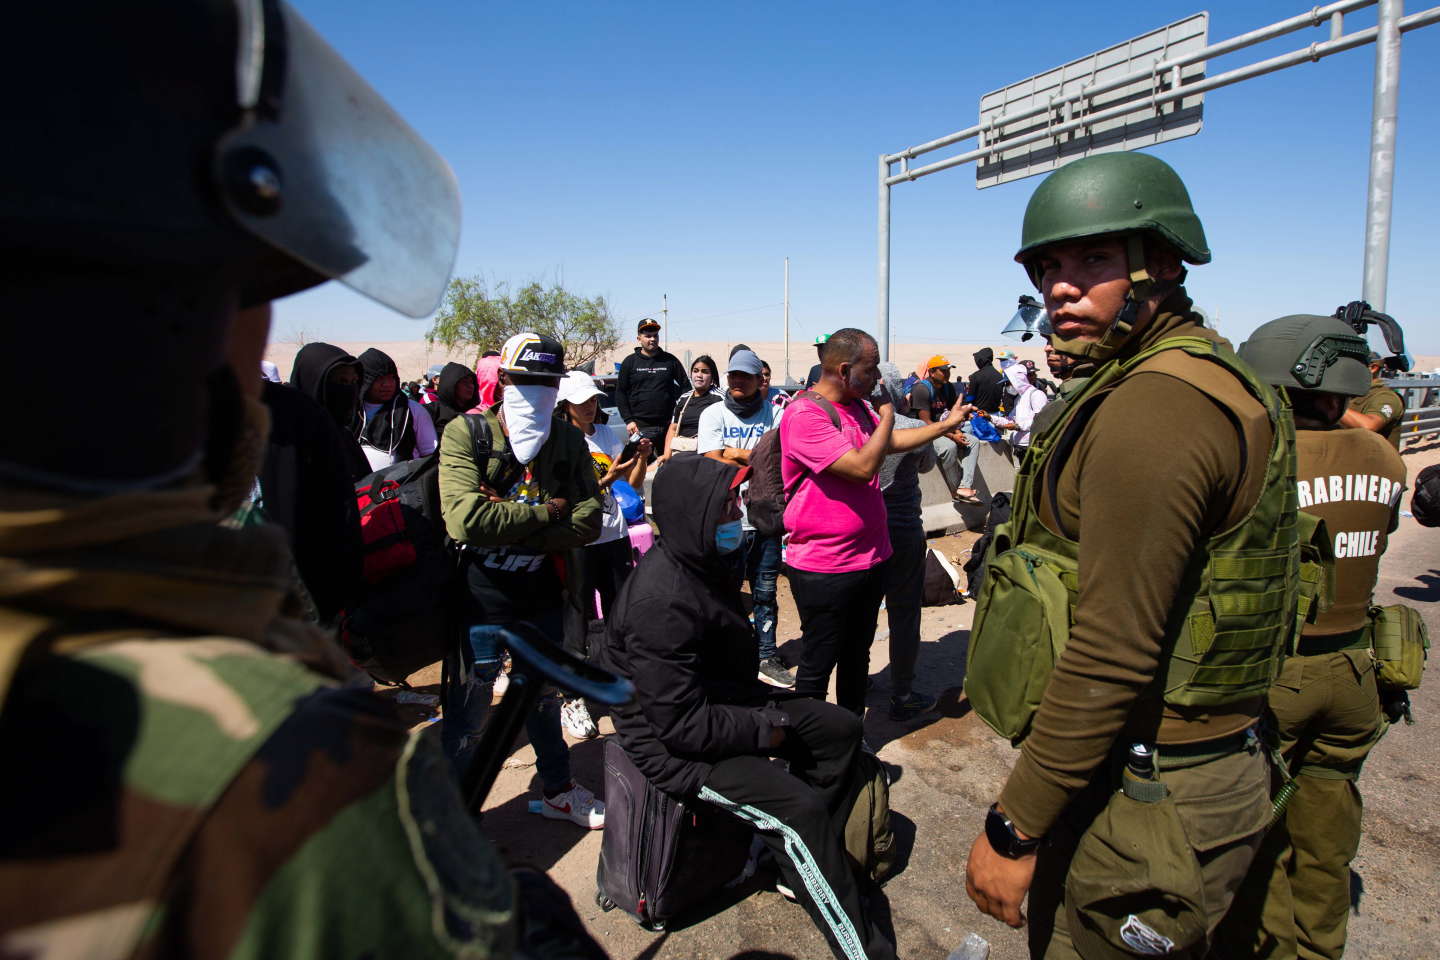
728 432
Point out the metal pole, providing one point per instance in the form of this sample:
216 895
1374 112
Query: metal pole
787 320
882 333
1382 152
665 312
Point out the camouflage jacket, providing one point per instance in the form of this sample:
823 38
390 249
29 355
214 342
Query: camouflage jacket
185 780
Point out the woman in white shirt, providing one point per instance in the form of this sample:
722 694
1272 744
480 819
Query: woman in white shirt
600 567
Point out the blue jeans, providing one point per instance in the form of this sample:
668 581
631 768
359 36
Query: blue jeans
758 561
972 458
467 702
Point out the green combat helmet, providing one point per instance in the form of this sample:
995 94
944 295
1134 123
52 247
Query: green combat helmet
1307 352
1127 195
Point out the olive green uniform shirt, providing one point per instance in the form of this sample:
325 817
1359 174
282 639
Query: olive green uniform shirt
1381 401
1351 479
1158 470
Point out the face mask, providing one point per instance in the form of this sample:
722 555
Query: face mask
341 399
528 412
728 536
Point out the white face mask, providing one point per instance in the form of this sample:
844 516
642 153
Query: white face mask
528 411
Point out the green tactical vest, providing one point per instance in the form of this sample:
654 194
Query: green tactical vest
1225 641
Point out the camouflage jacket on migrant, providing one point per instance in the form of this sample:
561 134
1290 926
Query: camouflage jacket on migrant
185 780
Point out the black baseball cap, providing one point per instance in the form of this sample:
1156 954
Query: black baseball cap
647 324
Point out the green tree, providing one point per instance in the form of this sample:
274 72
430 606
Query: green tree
483 317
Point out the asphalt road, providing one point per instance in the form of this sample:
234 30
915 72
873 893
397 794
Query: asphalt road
949 769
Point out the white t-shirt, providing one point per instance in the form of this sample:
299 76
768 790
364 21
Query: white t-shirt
424 437
721 428
606 444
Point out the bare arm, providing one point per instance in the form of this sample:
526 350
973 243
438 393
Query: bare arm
1365 421
669 435
903 441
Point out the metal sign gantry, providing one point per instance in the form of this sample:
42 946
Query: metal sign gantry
1162 76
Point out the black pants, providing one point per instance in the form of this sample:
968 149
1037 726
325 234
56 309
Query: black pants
837 623
602 568
904 594
801 817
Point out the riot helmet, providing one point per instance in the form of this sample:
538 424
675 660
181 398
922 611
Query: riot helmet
192 159
1307 352
1030 319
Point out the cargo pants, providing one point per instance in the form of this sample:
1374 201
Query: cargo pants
1223 805
1296 903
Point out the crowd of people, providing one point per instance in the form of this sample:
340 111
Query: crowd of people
1177 630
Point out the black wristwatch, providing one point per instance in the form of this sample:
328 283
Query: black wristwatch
1003 838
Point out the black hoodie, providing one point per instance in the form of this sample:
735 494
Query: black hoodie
987 385
392 427
310 374
647 387
680 634
445 408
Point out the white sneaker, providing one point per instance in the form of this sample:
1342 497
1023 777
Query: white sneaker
577 805
575 718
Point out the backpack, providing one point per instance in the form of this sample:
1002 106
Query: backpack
868 838
407 617
766 496
1425 501
975 566
909 385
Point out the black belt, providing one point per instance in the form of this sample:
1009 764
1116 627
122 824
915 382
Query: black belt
1334 642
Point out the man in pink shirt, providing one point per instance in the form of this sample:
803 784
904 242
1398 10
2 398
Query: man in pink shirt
836 516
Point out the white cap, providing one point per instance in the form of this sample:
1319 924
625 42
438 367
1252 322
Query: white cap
269 371
577 386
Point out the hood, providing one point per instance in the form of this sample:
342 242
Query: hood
1017 375
313 365
689 495
487 381
894 382
983 356
450 377
375 364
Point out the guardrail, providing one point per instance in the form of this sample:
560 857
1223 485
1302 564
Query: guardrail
1421 394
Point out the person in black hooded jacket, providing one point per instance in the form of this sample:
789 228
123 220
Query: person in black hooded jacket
457 392
702 726
331 377
393 427
984 392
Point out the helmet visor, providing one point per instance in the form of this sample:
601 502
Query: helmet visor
335 178
1028 321
1323 353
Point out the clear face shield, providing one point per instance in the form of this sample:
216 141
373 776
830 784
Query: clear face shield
323 169
1029 320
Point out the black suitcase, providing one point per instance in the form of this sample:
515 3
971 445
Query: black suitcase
658 856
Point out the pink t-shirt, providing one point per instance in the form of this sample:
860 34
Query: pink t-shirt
836 525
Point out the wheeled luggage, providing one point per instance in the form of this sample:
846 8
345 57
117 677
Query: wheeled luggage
659 856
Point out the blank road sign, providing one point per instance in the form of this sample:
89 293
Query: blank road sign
1043 122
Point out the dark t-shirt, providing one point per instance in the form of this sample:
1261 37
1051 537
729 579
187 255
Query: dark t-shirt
924 396
687 412
988 387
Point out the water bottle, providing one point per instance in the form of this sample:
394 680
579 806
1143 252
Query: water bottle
1141 761
975 947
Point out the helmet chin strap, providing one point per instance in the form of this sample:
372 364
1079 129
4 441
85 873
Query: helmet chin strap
1142 285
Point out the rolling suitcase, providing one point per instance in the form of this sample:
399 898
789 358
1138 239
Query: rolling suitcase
659 856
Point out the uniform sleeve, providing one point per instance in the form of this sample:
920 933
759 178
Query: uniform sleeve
469 515
664 663
1384 403
425 442
710 434
340 791
1146 502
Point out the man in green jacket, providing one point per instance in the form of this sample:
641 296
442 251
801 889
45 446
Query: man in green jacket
517 490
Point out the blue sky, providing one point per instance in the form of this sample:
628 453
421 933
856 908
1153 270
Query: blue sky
639 149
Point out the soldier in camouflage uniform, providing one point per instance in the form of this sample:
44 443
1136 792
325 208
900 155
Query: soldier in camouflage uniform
185 775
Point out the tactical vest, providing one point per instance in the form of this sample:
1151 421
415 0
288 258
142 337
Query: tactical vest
1226 635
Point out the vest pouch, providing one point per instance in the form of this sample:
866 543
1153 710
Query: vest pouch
1020 628
1400 640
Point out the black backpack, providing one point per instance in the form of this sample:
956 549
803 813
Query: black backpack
1425 501
407 618
975 566
766 496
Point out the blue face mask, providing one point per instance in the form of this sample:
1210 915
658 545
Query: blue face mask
728 536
